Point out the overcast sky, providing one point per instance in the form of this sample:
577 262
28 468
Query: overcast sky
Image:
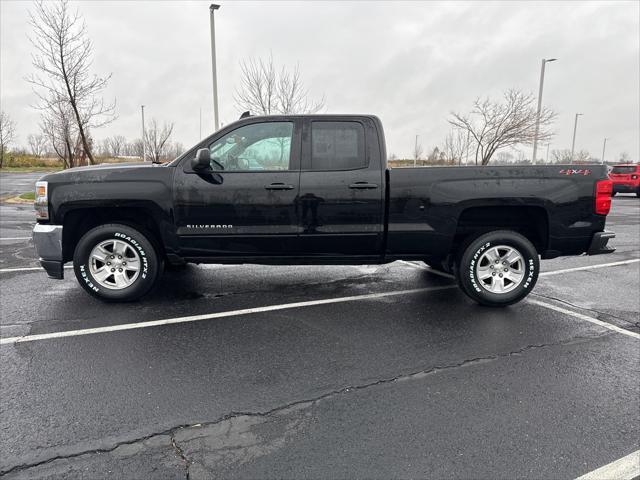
409 63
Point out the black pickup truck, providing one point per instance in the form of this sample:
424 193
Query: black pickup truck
315 189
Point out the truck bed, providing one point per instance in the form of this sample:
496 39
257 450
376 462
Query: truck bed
428 206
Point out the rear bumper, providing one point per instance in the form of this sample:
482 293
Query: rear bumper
48 242
624 188
599 245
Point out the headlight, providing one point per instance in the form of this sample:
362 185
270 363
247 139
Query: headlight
41 203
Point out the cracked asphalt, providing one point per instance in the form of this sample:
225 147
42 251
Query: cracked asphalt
423 384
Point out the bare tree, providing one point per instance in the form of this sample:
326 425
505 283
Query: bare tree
504 157
494 125
456 145
178 149
135 148
105 148
436 156
62 58
116 145
157 140
37 144
564 156
7 134
58 127
266 90
624 157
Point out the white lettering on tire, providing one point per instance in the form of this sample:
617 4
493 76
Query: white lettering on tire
87 279
145 261
472 265
531 273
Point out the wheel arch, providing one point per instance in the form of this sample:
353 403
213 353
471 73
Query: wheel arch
530 221
78 221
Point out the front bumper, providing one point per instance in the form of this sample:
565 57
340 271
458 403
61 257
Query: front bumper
599 243
48 242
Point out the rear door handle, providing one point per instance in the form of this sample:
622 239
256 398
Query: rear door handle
279 186
363 185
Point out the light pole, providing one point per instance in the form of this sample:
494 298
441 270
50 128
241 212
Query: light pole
573 143
415 152
535 138
212 8
604 145
144 144
547 160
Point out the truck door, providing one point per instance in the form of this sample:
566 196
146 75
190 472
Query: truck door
246 205
340 207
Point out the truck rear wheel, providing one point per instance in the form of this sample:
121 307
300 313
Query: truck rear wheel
498 268
116 263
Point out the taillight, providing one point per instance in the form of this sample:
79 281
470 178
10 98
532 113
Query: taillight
634 177
602 205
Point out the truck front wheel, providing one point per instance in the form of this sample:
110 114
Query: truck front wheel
498 268
116 263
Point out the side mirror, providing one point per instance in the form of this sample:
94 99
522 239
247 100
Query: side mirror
202 160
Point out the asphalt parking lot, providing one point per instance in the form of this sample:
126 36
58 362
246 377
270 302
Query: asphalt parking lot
335 372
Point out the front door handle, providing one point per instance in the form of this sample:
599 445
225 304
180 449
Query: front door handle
363 185
279 186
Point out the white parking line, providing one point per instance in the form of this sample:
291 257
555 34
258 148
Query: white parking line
285 306
586 318
209 316
625 468
15 238
27 269
589 267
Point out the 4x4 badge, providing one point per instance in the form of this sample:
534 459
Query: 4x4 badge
573 171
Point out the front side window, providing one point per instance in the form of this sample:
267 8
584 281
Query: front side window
259 146
337 146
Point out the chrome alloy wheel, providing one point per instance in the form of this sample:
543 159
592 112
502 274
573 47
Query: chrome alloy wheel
114 264
500 269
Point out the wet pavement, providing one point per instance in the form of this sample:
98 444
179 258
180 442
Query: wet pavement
382 371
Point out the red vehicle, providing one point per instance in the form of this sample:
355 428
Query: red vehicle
626 179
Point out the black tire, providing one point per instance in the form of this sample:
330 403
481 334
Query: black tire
638 192
475 251
149 262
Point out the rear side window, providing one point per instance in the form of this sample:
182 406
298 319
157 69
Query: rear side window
337 146
630 169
